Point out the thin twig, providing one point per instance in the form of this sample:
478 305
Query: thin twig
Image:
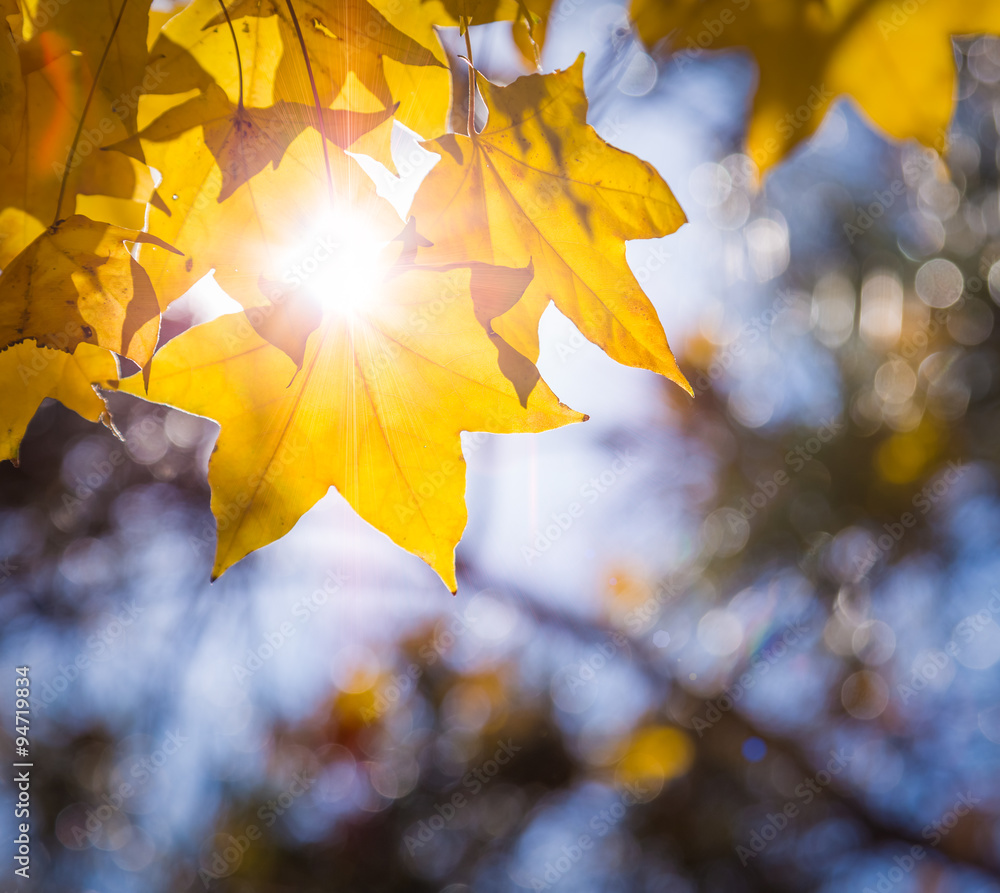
236 46
319 108
472 79
83 114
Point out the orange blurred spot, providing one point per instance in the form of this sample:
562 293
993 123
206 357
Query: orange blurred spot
626 589
904 456
655 756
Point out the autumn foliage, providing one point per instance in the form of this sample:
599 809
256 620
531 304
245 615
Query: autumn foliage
144 151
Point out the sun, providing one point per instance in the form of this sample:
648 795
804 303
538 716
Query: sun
340 264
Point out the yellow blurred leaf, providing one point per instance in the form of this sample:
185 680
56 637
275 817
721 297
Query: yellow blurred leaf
896 64
655 755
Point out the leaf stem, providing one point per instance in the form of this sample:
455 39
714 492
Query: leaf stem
236 46
321 124
472 79
83 114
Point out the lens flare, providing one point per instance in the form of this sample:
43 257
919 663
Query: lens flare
340 264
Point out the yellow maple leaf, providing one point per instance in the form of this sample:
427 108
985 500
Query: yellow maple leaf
98 29
243 141
244 63
355 364
77 283
251 230
538 184
398 368
897 64
196 51
359 57
29 374
102 184
158 18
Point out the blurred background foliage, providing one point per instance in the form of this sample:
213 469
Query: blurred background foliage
765 656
